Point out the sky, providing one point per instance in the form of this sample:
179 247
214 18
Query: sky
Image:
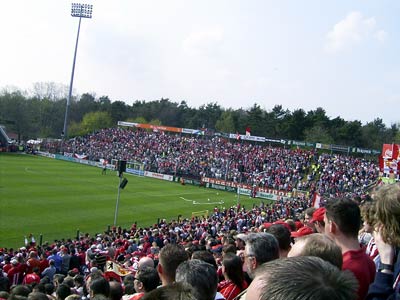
340 55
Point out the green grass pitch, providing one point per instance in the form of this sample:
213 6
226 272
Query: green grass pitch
55 198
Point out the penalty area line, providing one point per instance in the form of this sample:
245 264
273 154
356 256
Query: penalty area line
194 202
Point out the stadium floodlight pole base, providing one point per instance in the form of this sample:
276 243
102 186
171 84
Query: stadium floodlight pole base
117 204
238 192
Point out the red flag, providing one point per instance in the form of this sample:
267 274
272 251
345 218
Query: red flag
115 270
248 131
381 163
316 200
396 153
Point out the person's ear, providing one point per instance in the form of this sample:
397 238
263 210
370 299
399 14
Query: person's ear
333 228
253 263
159 268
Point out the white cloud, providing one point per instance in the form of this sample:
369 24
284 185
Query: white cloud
381 35
353 30
203 42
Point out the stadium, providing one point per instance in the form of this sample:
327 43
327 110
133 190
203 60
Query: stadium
138 181
73 196
279 187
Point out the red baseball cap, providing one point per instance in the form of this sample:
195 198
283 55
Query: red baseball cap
302 232
298 224
318 215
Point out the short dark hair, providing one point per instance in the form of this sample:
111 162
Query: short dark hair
206 256
201 276
49 288
37 296
263 246
312 277
21 290
63 291
129 289
116 290
149 278
346 214
100 286
177 290
170 257
130 278
282 234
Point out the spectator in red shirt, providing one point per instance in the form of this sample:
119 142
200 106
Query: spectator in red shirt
342 223
32 277
234 282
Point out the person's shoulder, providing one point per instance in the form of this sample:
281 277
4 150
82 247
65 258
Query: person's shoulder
242 295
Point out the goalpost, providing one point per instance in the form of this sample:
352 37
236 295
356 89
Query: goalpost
132 167
201 213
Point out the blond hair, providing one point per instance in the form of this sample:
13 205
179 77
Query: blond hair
387 213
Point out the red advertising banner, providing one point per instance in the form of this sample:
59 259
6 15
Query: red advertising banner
159 128
389 161
391 151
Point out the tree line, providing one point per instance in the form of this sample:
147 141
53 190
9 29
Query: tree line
40 114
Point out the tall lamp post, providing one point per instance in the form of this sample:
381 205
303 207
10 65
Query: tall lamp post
80 11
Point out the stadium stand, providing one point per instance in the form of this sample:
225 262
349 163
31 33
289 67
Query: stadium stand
115 253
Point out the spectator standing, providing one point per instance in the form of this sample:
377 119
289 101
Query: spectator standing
57 260
201 276
32 262
32 277
50 270
62 292
116 290
342 223
282 234
99 286
302 278
74 262
387 239
318 219
260 248
234 282
16 273
65 260
146 280
170 257
320 245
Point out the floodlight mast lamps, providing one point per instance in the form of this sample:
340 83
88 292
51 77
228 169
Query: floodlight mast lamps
80 11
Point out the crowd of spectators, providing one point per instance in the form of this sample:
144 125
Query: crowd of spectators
254 164
231 254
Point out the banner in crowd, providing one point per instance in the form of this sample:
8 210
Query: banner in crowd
159 176
115 271
155 128
389 161
112 266
245 189
253 138
391 151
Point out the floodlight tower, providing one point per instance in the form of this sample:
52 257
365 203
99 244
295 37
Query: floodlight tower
80 11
